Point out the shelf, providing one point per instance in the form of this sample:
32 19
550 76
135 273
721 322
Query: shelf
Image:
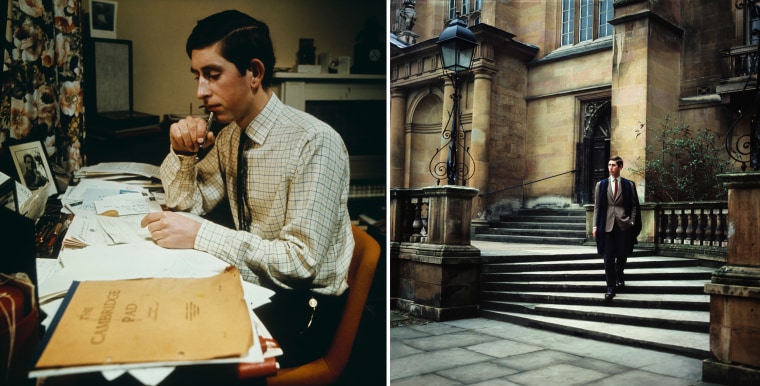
290 76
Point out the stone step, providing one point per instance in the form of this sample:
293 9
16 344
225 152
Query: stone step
662 307
687 302
565 226
539 220
631 275
593 263
691 344
681 287
684 320
530 239
552 230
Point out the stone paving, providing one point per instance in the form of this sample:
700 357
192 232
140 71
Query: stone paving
481 351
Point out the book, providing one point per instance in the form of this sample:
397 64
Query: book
161 321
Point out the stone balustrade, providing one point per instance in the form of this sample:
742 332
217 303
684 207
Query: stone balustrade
687 229
693 223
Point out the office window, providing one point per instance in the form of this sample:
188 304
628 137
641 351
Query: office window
478 5
465 7
588 11
452 9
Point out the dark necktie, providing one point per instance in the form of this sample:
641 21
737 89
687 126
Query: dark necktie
242 176
614 192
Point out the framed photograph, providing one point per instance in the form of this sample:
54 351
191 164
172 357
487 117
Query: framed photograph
33 167
8 192
103 19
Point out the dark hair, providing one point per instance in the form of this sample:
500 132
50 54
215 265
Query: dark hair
242 38
617 159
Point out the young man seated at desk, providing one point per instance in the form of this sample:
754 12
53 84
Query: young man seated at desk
285 175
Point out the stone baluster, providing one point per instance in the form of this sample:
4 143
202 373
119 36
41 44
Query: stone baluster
709 227
688 237
719 235
416 204
724 228
678 237
699 226
424 217
661 226
669 228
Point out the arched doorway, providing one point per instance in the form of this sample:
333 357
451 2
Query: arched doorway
593 151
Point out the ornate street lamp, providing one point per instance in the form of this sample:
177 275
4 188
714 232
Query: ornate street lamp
457 44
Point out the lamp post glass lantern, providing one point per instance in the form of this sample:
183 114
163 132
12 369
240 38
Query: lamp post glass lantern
457 46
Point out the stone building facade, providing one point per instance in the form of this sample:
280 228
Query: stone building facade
547 102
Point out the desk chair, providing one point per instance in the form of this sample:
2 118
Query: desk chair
327 370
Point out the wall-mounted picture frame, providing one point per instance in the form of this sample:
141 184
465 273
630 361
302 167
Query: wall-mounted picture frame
103 19
33 167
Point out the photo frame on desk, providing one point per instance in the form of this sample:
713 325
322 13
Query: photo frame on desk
33 167
8 195
103 19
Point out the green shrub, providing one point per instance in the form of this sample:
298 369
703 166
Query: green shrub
686 167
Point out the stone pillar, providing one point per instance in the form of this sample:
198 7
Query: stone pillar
646 59
481 127
398 160
735 290
439 280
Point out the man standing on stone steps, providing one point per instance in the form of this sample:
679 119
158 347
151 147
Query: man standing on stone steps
616 212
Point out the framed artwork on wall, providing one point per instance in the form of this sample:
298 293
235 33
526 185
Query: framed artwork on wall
33 167
103 19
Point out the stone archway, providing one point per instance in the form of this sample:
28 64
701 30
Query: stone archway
424 132
593 151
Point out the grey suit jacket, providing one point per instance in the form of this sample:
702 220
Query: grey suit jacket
615 207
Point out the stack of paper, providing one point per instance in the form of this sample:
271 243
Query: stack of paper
107 212
146 323
119 169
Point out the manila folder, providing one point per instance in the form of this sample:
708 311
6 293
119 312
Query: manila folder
149 320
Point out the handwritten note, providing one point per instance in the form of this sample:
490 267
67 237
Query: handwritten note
126 204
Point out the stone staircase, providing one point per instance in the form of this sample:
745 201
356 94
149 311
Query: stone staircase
537 226
663 306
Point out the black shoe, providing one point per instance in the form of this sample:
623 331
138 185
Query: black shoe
620 284
610 294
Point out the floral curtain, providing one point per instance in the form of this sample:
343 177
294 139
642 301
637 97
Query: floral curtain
41 97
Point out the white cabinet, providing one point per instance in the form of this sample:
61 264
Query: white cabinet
354 105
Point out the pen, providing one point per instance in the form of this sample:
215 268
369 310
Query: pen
208 127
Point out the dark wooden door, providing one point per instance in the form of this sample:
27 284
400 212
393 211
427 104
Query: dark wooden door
594 152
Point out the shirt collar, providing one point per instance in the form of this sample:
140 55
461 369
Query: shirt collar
264 122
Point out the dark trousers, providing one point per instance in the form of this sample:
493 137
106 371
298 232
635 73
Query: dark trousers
287 317
616 247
